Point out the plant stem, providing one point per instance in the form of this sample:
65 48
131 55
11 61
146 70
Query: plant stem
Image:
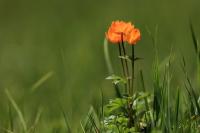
122 62
130 92
198 67
133 70
120 54
130 104
126 65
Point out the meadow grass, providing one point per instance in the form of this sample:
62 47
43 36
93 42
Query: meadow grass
163 108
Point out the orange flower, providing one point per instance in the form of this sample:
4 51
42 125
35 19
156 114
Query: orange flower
134 36
121 31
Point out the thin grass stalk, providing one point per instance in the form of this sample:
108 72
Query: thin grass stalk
192 91
168 98
15 106
197 50
146 100
144 89
156 92
11 118
66 121
82 128
32 129
93 124
102 110
177 110
107 57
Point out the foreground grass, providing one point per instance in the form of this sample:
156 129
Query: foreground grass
164 108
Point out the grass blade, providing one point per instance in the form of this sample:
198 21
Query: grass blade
107 57
6 130
36 121
41 81
15 106
11 118
177 106
194 39
82 127
66 121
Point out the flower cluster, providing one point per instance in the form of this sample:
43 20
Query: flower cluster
120 31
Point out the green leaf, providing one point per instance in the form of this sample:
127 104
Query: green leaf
130 58
126 57
117 79
117 90
115 105
142 95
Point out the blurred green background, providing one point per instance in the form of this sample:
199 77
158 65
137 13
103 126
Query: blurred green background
65 38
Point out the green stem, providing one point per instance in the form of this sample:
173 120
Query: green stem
120 54
130 104
198 67
133 70
126 63
122 62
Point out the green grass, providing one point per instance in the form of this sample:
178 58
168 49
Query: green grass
163 108
53 67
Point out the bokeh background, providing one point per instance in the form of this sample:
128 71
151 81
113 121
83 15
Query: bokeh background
62 40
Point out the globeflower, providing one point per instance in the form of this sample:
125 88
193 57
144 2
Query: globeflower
133 36
121 31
